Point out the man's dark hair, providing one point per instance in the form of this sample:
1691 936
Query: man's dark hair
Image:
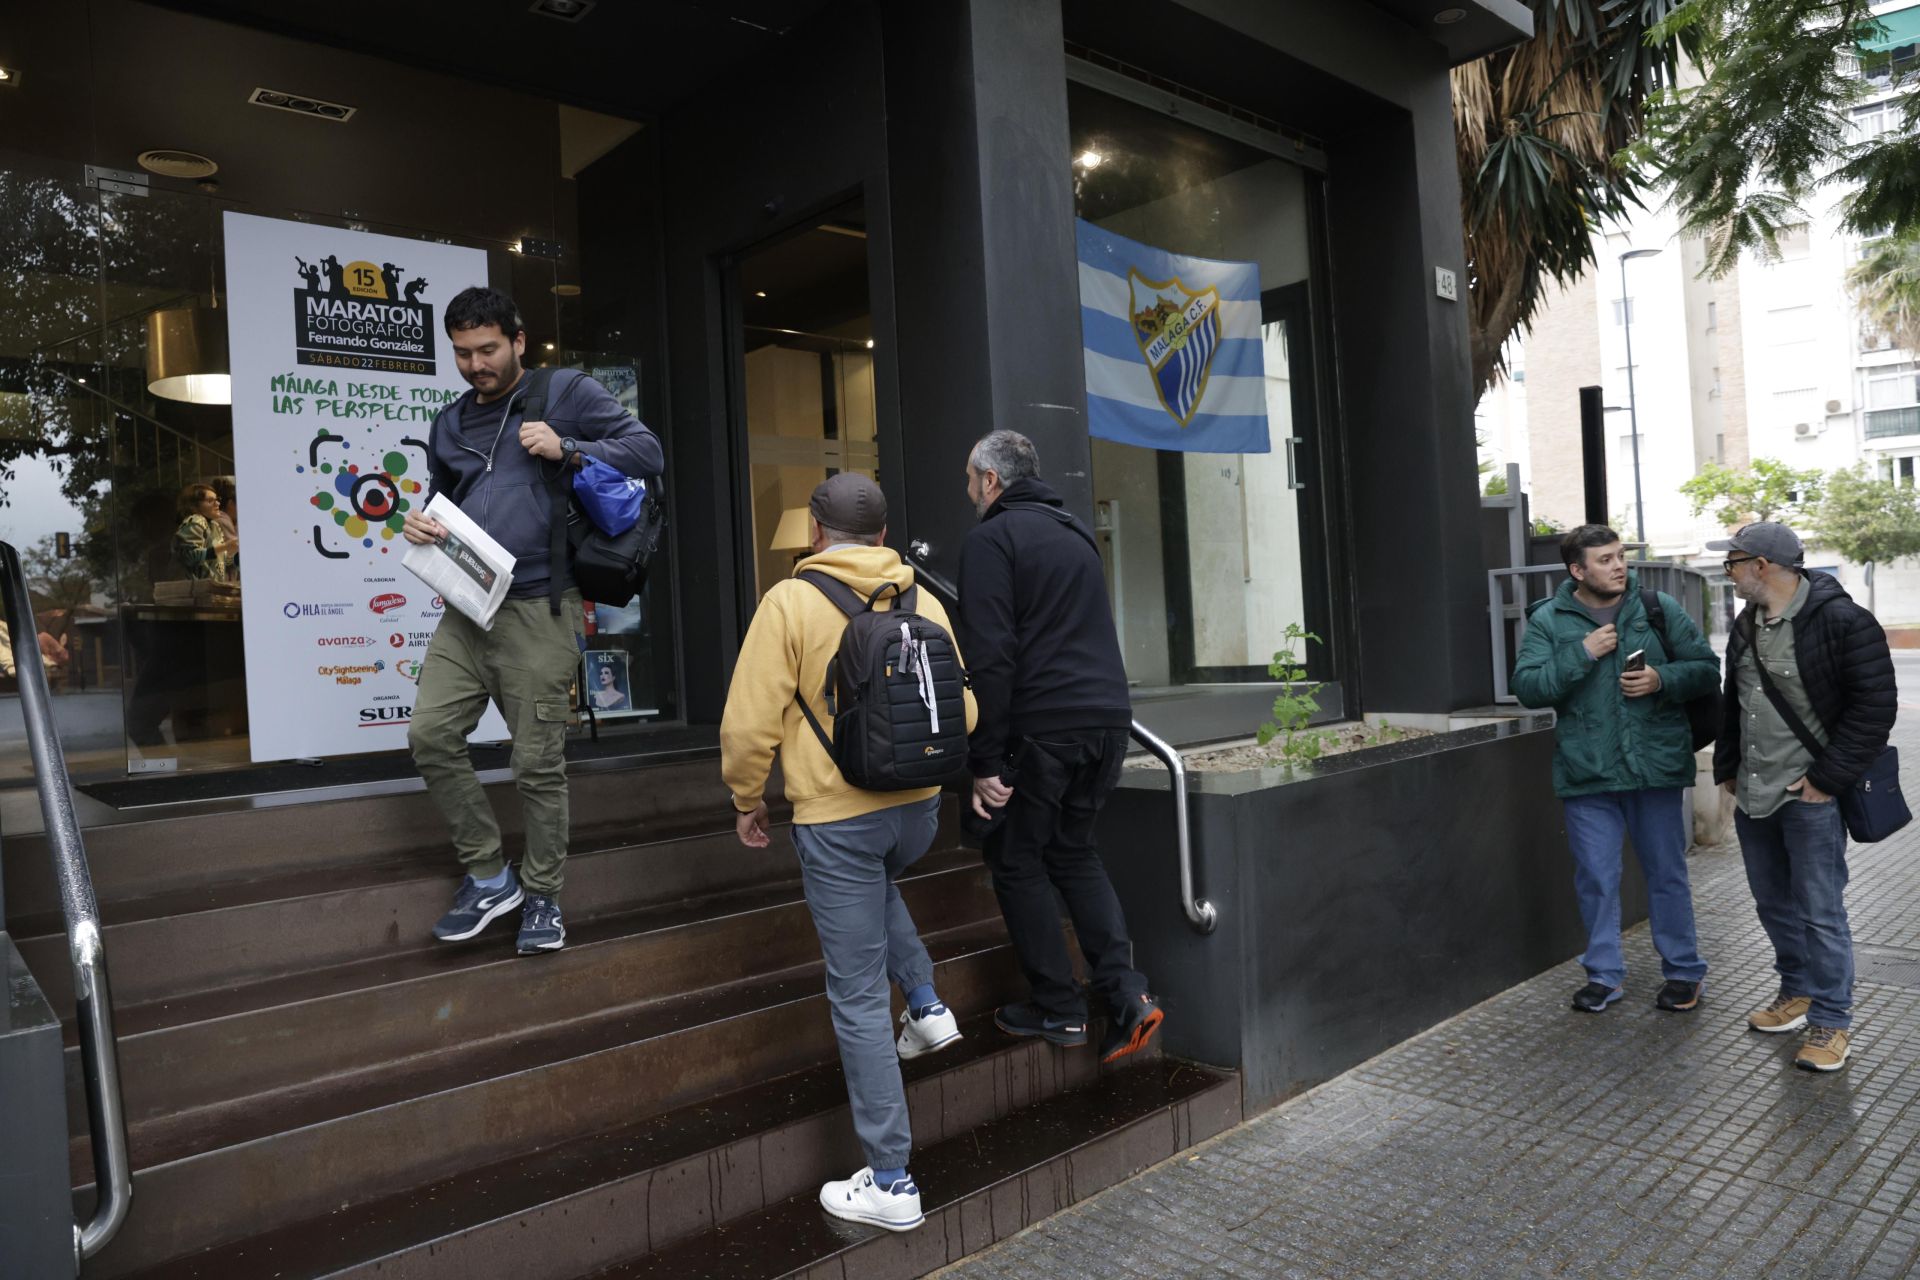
1573 547
478 307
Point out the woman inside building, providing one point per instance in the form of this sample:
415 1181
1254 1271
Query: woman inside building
201 546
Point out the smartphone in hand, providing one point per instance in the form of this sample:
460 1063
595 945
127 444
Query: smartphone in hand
1636 661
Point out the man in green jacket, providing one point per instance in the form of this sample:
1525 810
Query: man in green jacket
1623 751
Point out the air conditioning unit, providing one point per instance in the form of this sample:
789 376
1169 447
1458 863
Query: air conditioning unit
1808 430
1836 406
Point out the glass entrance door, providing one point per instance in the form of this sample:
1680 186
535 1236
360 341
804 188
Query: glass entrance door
806 380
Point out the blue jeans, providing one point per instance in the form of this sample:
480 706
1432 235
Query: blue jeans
1796 860
1596 825
847 869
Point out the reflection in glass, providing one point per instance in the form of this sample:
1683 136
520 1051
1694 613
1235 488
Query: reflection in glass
808 385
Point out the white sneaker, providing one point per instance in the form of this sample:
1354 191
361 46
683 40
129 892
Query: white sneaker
858 1200
923 1035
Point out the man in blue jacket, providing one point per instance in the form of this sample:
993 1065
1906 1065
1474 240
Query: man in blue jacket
1623 751
499 470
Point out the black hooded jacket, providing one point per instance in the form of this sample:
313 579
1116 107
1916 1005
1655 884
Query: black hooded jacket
1036 628
1848 675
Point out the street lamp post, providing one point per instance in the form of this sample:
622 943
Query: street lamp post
1633 410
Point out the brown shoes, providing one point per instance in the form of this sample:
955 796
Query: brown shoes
1825 1050
1788 1013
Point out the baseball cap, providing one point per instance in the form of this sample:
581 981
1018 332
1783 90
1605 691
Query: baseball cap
850 503
1767 538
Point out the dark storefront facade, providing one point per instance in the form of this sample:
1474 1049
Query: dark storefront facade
795 236
841 237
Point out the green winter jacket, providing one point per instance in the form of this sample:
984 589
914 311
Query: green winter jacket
1606 741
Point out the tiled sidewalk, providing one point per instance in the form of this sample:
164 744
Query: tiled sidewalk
1523 1139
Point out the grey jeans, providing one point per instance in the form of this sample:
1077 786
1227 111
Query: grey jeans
866 936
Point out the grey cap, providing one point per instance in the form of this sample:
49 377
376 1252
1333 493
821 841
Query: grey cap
850 503
1767 538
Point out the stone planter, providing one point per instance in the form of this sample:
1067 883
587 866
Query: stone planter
1359 903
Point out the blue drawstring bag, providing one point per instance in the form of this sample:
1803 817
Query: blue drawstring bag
611 500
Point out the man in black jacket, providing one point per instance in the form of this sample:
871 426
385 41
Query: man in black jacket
1795 736
1044 659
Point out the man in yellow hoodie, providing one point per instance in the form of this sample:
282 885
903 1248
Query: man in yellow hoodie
853 844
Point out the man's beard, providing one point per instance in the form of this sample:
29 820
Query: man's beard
1600 592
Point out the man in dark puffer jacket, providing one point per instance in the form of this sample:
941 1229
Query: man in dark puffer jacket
1827 661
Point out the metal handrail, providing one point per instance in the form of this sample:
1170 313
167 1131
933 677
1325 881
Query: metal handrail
93 1004
1200 913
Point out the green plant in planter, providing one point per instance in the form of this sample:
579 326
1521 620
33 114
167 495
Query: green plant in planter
1294 707
1384 734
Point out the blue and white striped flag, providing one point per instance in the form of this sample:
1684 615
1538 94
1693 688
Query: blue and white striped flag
1172 347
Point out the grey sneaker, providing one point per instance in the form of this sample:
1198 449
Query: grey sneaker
540 927
474 908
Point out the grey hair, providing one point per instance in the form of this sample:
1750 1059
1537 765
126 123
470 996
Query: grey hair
836 536
1007 454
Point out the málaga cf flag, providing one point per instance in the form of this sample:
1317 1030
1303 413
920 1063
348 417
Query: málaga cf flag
1172 347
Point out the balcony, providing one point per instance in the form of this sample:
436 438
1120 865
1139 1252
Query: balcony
1893 422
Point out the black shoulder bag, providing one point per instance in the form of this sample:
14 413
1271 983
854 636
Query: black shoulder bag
1872 807
1703 712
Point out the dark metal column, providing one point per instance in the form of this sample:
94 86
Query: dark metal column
985 277
1593 452
36 1207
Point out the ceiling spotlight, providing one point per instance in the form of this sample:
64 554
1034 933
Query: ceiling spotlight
83 381
564 10
1089 159
869 344
547 346
9 77
1447 17
759 293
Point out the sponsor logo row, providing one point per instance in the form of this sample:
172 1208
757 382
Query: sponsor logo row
379 606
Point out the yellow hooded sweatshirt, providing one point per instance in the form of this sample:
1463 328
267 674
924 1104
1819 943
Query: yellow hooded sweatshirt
795 633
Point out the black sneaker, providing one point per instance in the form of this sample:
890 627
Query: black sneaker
1679 997
1595 997
1031 1020
474 908
1132 1028
540 927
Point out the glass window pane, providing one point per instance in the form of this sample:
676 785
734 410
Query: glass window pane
1210 556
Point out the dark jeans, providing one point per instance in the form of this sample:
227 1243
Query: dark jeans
1046 844
1796 860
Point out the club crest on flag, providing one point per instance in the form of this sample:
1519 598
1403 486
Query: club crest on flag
1177 331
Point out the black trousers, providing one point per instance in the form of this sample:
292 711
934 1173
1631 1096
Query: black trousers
1046 844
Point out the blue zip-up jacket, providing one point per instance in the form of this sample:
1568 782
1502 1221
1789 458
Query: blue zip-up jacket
505 489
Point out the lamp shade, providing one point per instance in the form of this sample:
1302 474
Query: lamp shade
792 533
187 356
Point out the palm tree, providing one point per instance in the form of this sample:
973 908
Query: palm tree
1886 288
1539 130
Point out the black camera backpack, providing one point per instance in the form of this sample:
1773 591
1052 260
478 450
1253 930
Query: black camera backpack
895 691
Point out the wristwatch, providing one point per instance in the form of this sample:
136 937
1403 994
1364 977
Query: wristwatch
568 450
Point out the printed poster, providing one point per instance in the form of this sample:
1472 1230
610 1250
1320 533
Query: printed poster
1171 346
339 366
